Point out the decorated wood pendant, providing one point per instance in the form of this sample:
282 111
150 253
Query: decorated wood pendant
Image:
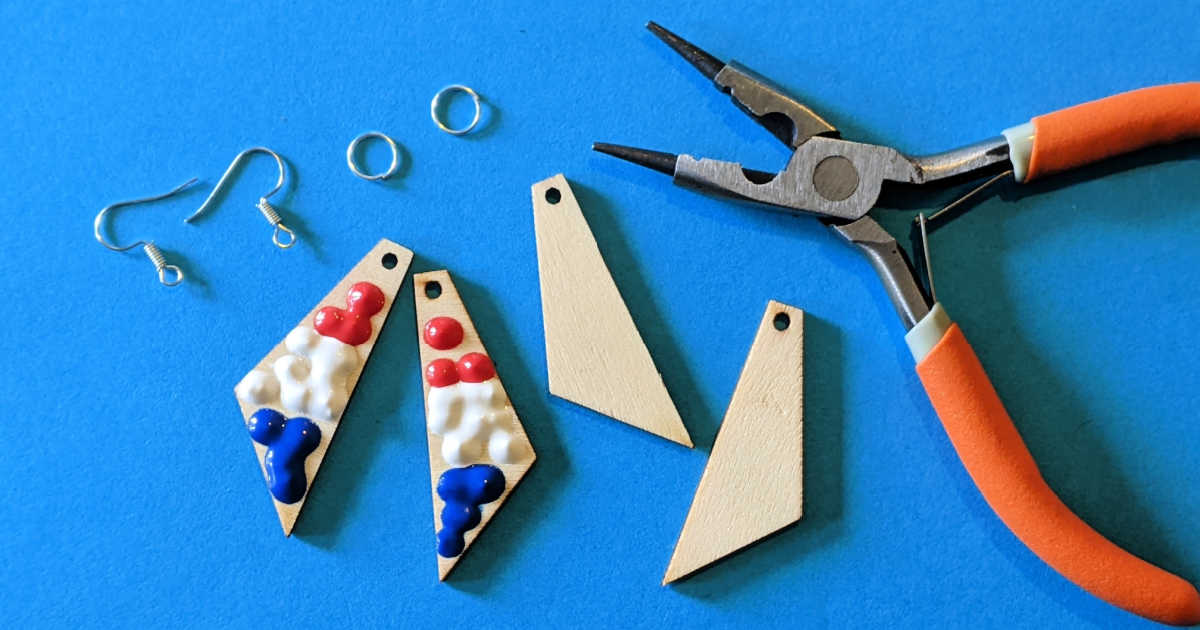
594 354
478 450
293 400
753 484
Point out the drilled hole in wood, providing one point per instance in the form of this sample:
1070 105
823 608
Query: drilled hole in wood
782 321
389 261
553 195
433 290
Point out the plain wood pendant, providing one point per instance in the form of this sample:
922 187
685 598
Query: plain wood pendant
753 484
478 450
293 400
594 354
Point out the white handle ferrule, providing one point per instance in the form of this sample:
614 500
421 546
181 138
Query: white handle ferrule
924 336
1020 147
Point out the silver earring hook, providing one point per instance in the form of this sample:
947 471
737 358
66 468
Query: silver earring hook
152 251
264 206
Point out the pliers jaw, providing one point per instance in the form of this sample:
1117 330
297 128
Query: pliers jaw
826 176
786 118
836 179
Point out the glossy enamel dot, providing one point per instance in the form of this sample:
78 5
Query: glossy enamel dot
443 333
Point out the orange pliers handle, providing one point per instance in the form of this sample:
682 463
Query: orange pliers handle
1000 464
1110 126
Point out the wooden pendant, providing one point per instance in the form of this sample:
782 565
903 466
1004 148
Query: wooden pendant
293 400
594 354
753 484
478 450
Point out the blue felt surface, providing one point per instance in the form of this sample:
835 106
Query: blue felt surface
129 494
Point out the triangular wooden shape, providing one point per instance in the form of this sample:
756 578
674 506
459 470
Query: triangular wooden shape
319 395
753 484
474 432
594 354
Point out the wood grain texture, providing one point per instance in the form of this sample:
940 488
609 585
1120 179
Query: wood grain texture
753 484
369 269
594 354
449 304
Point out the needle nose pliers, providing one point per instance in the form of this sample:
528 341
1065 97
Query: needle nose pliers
840 181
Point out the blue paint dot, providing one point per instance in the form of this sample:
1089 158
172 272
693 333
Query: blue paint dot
288 442
464 490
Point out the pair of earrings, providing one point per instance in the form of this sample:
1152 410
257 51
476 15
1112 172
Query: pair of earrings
171 275
293 401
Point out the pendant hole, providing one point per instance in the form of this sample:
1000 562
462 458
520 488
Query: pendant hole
389 261
782 321
553 195
433 289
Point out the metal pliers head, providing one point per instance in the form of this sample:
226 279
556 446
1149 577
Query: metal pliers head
827 176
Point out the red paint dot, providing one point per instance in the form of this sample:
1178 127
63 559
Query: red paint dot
443 333
365 299
441 373
353 324
474 367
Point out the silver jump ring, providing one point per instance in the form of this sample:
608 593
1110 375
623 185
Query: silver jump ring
395 166
433 109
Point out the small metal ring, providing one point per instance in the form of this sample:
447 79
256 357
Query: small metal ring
395 166
433 109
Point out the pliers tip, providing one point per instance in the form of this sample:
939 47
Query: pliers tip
707 64
658 160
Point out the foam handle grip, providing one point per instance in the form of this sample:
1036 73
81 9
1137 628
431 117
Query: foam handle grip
1110 126
997 460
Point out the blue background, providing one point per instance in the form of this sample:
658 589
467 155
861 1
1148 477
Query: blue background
128 491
